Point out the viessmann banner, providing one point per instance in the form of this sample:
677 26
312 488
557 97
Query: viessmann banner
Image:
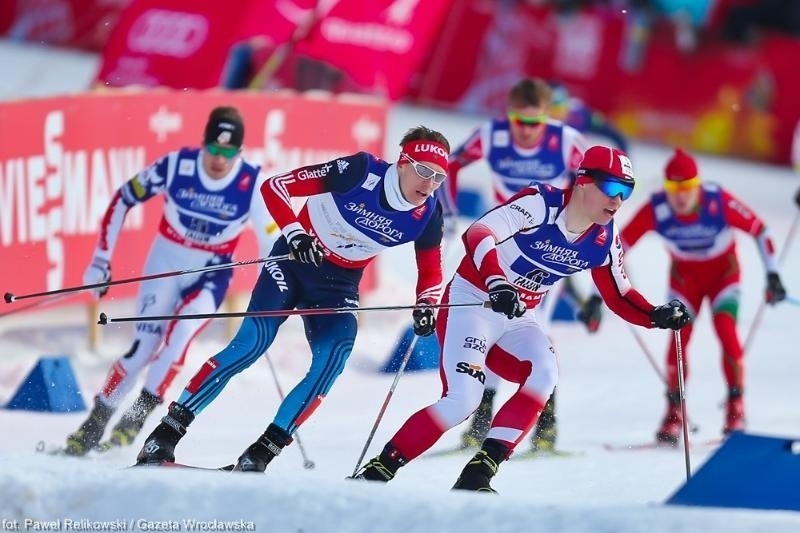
62 159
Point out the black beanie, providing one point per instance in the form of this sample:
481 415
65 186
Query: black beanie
224 130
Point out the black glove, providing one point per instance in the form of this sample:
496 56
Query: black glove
775 291
306 249
591 313
797 198
672 315
505 299
424 319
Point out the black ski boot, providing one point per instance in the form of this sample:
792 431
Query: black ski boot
160 444
91 431
259 454
478 473
383 467
129 426
481 421
546 432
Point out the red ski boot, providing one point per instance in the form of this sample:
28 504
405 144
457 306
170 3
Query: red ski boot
673 421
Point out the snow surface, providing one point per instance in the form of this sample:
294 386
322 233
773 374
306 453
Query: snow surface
608 393
41 70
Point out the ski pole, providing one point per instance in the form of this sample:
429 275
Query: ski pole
647 353
104 319
682 392
10 297
399 373
694 428
44 301
308 464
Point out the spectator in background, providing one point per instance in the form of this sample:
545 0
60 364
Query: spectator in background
743 22
256 64
575 113
688 17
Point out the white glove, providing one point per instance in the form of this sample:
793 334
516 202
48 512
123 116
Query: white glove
98 271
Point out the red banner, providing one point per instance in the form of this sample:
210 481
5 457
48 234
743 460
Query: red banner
173 43
62 159
719 98
78 23
378 44
369 46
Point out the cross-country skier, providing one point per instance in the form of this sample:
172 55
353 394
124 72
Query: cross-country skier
696 220
357 206
524 146
514 255
210 193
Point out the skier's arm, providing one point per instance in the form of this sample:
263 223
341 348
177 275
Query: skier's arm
428 251
526 210
278 191
741 217
616 289
642 222
140 188
264 226
467 153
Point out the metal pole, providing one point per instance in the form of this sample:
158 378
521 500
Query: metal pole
399 373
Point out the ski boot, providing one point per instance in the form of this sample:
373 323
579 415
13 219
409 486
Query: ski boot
478 473
734 418
673 421
383 467
91 431
481 422
129 426
544 436
160 444
259 454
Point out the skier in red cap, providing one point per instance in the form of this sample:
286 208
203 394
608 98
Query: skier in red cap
696 220
514 254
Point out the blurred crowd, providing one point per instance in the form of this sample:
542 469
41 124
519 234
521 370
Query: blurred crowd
693 21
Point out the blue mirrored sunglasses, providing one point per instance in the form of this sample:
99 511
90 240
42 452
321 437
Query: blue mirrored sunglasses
612 185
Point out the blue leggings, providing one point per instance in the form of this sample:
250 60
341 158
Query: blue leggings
287 285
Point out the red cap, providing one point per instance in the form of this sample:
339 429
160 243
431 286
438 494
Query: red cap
682 167
607 160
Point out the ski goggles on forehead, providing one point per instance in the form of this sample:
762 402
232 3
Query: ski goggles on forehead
611 185
228 152
527 120
424 171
